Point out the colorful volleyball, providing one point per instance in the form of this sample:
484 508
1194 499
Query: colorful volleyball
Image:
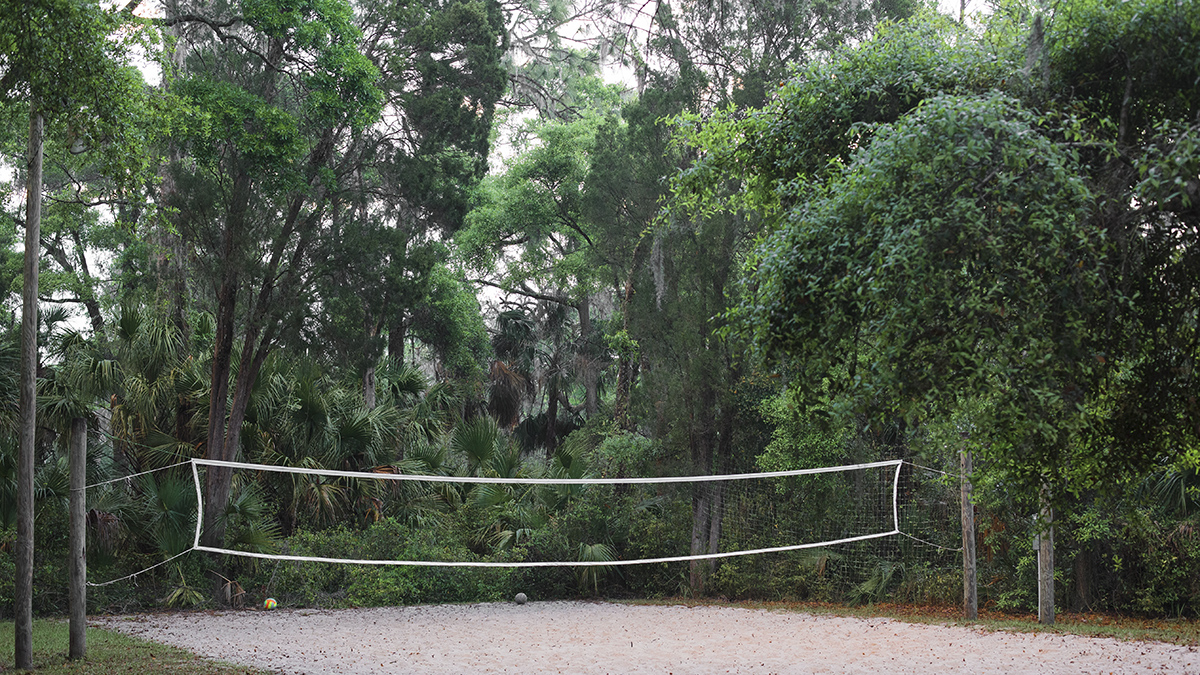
270 603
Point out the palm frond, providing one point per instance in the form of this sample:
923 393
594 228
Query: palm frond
475 441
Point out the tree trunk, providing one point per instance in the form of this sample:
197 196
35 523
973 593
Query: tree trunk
217 480
23 583
1045 527
970 589
369 387
591 377
397 333
625 364
699 527
78 541
169 253
621 397
724 464
371 329
77 265
1083 579
87 290
717 492
702 505
254 353
224 434
551 437
170 248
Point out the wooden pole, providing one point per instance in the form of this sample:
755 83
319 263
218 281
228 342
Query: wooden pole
970 588
78 540
1045 526
23 581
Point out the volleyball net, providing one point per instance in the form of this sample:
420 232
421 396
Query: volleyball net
721 515
858 531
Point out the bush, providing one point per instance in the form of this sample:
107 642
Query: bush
313 584
793 577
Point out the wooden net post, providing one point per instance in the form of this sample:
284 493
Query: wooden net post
970 589
78 540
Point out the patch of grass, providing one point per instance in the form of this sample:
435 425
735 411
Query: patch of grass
1176 631
107 652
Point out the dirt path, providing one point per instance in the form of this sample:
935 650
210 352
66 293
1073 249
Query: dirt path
578 637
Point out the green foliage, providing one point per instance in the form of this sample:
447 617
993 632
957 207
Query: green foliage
343 85
406 178
936 304
184 595
799 440
1157 45
805 576
324 585
940 229
267 138
536 212
948 238
72 60
877 583
815 121
450 321
170 513
626 454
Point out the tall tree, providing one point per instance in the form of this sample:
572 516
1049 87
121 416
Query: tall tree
274 95
699 57
530 234
978 232
410 175
580 206
63 60
745 48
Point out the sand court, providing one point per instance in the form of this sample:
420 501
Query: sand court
598 637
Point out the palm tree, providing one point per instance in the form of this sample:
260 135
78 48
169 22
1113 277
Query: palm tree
556 360
157 391
511 375
150 386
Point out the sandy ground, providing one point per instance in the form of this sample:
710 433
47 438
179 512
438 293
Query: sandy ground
579 637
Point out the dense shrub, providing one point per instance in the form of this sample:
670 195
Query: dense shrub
798 576
341 585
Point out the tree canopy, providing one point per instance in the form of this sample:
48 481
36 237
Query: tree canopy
951 216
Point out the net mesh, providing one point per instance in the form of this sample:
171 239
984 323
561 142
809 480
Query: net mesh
612 521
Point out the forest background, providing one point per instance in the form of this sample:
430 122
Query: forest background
808 234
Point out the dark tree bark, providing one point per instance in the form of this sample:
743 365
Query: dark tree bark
280 282
587 353
23 583
77 639
551 416
704 500
724 461
371 327
397 333
625 365
217 482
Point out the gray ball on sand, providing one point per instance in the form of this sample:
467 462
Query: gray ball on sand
521 599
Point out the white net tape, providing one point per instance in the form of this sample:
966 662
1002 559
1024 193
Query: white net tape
764 508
